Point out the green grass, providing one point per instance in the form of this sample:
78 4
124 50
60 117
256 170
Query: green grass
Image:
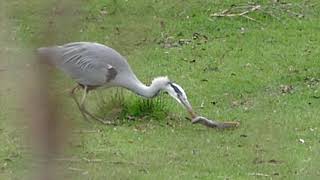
115 107
237 69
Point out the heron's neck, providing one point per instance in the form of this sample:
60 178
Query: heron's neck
146 91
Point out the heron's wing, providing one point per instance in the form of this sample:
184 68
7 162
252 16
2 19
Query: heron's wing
81 64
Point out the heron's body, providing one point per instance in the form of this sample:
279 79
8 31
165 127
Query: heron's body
94 65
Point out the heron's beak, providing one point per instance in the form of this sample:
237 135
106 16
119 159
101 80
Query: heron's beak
187 105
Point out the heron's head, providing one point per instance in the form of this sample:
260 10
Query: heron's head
178 94
174 90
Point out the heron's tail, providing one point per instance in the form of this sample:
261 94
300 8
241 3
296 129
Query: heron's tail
43 52
46 54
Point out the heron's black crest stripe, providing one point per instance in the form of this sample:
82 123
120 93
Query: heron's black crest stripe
175 88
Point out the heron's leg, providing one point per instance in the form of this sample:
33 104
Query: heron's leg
100 98
83 108
73 95
85 92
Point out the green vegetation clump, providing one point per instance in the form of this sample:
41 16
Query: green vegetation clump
118 108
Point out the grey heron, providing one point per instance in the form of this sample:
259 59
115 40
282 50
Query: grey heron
93 65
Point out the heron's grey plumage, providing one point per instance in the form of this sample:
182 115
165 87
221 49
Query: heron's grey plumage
95 65
90 64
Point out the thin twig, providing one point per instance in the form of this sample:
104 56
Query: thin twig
272 9
75 169
250 18
258 174
225 14
76 160
86 131
79 160
84 172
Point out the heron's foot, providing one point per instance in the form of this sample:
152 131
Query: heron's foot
101 120
83 113
105 121
85 116
94 117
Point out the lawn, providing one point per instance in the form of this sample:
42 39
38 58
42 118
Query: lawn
263 72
